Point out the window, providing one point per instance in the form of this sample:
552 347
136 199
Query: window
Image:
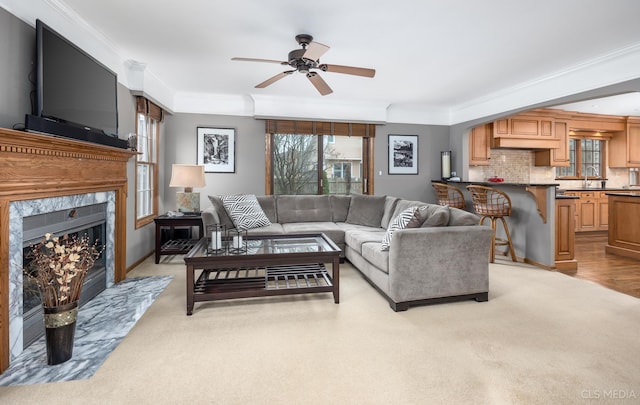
148 117
586 156
341 170
305 157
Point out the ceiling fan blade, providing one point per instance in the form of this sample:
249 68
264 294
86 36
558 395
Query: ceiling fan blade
261 60
319 83
348 70
274 79
315 50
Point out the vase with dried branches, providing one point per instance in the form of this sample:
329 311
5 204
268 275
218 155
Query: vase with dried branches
57 267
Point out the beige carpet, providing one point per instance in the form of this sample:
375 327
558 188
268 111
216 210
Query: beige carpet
543 338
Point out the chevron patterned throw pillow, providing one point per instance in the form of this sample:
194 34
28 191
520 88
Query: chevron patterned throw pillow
399 222
245 211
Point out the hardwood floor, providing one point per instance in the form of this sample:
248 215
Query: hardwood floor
616 272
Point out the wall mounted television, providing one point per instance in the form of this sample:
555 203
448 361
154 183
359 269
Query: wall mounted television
76 96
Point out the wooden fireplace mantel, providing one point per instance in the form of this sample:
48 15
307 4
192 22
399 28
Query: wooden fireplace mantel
34 166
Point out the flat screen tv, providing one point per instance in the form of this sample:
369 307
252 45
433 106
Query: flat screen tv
76 96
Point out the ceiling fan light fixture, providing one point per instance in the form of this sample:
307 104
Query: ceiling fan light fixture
307 58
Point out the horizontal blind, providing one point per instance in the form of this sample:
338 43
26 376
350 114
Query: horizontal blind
320 128
146 107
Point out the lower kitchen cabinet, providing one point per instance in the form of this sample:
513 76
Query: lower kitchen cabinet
592 211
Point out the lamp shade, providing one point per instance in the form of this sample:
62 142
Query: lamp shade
187 176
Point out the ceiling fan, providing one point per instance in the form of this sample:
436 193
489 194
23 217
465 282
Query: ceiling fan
306 60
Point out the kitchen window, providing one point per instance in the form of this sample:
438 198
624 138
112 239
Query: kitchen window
586 156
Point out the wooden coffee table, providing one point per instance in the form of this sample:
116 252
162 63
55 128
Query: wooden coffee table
272 265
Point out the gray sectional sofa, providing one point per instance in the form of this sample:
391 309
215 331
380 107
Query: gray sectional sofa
445 258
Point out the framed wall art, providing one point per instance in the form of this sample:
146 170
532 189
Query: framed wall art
403 154
217 149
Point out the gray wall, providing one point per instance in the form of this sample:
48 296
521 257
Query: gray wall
17 47
432 139
180 144
17 64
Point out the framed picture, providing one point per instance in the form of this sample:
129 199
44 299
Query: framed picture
403 154
217 149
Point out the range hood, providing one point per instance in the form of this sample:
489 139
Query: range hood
535 143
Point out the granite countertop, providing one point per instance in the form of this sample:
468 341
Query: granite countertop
492 184
628 193
595 189
566 197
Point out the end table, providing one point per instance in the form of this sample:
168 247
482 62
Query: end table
176 246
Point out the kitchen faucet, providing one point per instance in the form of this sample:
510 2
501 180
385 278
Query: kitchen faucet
587 183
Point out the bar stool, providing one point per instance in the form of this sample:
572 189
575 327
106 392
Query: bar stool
493 204
449 195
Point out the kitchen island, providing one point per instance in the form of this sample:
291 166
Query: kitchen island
532 220
624 224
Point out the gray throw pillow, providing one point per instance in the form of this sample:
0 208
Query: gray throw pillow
458 217
434 215
366 210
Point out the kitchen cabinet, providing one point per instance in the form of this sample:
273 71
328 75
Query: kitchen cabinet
556 157
592 211
624 146
525 131
479 145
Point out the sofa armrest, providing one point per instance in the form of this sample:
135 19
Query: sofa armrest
209 217
439 262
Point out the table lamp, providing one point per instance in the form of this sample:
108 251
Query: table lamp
187 176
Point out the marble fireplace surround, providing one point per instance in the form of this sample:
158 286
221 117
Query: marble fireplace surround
21 209
37 167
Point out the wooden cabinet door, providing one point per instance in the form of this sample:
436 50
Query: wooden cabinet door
633 144
479 142
556 157
603 212
565 230
588 215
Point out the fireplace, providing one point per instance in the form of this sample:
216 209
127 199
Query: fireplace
42 174
89 221
29 220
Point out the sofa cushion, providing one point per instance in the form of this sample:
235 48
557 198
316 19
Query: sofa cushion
268 204
356 237
366 210
398 223
339 207
245 211
303 208
389 209
429 215
458 217
330 229
373 254
273 229
437 215
222 215
402 205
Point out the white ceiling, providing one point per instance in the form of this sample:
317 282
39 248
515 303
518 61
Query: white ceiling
443 55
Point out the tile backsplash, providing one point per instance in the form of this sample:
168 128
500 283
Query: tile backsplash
517 166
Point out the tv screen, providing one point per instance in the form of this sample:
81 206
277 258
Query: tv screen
71 86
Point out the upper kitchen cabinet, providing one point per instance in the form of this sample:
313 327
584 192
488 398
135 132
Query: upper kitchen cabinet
556 157
525 131
624 146
479 145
